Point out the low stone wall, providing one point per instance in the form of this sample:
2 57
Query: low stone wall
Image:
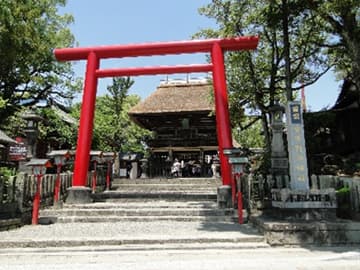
348 194
307 233
347 191
322 227
9 214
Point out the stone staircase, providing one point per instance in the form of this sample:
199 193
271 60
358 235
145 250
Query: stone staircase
139 211
179 211
141 200
163 188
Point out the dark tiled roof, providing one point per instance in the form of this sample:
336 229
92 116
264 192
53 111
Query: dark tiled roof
5 138
172 98
348 97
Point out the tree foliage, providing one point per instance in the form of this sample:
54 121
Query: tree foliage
113 129
257 79
29 31
55 131
341 20
250 134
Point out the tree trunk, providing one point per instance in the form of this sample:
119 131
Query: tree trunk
286 50
265 125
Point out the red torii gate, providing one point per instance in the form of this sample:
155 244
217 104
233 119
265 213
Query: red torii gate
215 47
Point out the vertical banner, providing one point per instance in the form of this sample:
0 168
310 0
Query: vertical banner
298 169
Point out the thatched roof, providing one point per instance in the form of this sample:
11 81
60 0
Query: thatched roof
175 98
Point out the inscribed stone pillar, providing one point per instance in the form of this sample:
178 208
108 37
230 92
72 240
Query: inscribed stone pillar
299 179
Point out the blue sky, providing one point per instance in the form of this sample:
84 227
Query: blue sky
109 22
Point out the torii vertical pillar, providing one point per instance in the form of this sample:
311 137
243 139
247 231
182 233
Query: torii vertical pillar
79 193
222 111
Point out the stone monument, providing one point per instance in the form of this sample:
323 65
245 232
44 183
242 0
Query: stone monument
298 200
301 213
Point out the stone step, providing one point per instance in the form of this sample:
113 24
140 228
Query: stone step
153 189
56 246
148 219
170 195
136 232
145 232
249 242
190 181
147 184
142 204
163 186
10 223
110 216
138 212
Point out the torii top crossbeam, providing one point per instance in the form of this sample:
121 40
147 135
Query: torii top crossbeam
158 48
93 55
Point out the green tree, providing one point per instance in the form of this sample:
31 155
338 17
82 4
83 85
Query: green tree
117 133
341 20
113 129
257 79
15 125
56 131
249 134
118 90
29 31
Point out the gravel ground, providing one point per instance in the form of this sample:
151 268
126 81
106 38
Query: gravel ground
130 230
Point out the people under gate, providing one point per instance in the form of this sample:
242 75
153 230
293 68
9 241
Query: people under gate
175 168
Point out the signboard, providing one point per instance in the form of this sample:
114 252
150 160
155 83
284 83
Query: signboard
238 160
123 173
18 151
296 147
279 163
295 113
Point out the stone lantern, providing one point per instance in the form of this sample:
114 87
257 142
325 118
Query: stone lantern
31 131
238 162
279 160
38 167
144 164
60 157
108 158
95 158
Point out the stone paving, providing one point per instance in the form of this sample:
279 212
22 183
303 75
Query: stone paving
158 244
157 232
178 258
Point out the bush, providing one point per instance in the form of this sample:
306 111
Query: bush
343 201
6 173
